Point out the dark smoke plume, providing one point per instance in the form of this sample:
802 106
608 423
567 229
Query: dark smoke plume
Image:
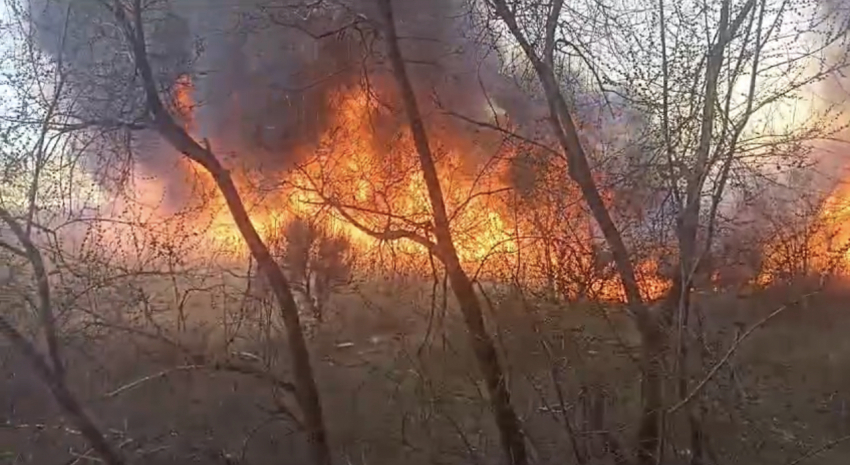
262 71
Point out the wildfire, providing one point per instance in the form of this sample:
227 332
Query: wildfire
821 246
652 285
184 104
362 185
837 213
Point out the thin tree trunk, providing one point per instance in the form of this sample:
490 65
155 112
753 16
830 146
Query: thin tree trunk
652 336
306 389
307 392
51 369
63 396
510 431
679 300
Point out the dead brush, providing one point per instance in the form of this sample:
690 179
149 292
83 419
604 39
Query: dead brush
316 261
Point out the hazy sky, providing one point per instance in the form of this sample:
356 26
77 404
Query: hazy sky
4 48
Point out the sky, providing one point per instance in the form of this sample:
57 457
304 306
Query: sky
5 45
56 175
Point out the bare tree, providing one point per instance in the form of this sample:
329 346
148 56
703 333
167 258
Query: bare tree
396 206
132 23
50 368
580 171
124 30
36 162
510 430
703 129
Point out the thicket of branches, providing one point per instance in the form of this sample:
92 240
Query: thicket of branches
656 134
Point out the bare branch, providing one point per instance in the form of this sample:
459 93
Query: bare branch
63 396
819 450
729 352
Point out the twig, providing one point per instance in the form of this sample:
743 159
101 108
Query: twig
152 377
217 366
504 131
244 450
84 456
688 398
578 452
825 447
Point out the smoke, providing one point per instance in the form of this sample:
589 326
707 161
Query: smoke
829 163
831 96
775 205
262 77
269 82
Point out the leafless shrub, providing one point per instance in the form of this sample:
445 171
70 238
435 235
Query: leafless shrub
317 262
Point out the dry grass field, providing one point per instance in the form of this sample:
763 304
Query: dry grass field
400 386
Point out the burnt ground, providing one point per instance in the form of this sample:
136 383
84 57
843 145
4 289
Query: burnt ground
392 395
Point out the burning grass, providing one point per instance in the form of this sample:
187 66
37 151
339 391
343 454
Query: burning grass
511 220
365 184
819 245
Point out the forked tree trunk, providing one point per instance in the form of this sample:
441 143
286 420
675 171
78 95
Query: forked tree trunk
306 389
63 396
307 392
690 256
510 431
50 368
653 337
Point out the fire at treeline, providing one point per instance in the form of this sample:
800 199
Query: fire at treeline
294 193
299 101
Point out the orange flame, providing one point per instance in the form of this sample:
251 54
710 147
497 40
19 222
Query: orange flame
378 185
184 104
822 246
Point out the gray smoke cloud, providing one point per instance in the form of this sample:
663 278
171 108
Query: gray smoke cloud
261 78
830 158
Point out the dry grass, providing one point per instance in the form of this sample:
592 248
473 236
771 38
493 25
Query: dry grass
396 391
